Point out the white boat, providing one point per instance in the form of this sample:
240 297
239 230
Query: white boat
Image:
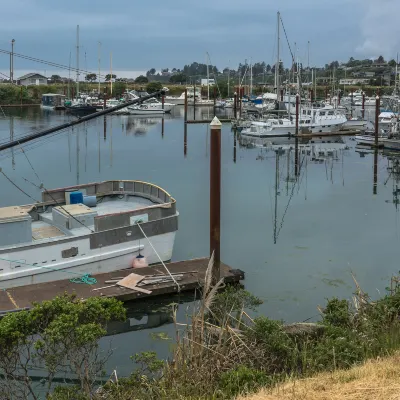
152 103
144 109
369 140
55 239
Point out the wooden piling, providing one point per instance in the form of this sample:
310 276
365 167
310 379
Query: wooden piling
375 185
240 102
185 107
235 105
194 99
215 98
377 112
281 94
215 196
363 105
296 153
234 144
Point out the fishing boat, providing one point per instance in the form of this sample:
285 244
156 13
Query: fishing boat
85 229
80 107
53 101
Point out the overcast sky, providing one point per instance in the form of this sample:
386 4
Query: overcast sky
145 34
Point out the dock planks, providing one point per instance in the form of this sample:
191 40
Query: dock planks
23 297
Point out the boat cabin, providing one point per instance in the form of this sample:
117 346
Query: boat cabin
52 100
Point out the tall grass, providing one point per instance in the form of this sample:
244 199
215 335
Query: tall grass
221 351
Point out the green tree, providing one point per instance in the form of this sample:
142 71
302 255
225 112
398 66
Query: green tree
154 87
151 71
91 77
392 63
55 336
141 79
56 78
178 78
380 60
108 77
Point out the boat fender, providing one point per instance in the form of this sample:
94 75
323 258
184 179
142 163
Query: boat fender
139 262
145 107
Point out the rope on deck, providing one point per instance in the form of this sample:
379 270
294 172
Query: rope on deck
155 251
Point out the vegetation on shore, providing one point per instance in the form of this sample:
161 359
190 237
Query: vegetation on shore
12 94
377 379
220 353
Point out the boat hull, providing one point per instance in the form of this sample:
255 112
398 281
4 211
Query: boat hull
105 259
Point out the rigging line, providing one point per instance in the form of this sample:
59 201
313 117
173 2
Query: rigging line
162 262
47 62
42 187
284 30
15 185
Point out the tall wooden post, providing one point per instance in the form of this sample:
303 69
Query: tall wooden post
185 107
234 144
377 112
363 105
326 93
215 98
296 152
235 105
215 196
240 102
281 94
311 95
194 100
375 185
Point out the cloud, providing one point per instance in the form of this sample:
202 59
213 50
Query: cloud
380 30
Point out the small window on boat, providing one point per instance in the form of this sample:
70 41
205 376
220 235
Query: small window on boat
304 111
309 112
330 113
322 113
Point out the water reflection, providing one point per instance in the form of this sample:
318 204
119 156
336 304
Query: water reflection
291 229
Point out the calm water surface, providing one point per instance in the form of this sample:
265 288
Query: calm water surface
328 223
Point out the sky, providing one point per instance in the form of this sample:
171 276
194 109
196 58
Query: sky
160 34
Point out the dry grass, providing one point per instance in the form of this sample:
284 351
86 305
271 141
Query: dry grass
375 380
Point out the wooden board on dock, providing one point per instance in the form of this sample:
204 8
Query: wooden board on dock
23 297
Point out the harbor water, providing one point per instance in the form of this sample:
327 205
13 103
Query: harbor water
300 239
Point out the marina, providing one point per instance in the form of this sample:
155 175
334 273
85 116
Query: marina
207 227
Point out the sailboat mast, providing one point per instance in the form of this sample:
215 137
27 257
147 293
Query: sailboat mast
277 80
111 78
99 51
229 72
77 60
251 77
208 78
69 75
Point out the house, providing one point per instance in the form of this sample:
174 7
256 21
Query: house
32 79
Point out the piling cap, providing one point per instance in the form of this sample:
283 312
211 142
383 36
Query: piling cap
377 97
215 123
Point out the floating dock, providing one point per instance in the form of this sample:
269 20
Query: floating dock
21 298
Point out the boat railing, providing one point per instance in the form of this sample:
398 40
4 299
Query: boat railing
107 188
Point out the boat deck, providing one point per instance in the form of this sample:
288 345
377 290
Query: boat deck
45 230
194 272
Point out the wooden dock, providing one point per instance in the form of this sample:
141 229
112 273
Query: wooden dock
20 298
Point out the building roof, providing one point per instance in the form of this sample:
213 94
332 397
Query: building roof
30 75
